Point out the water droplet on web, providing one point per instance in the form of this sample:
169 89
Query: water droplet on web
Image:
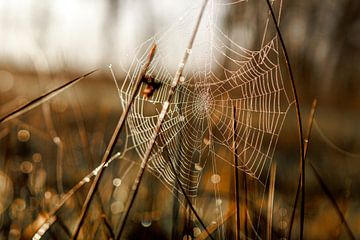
182 79
117 182
18 205
117 207
181 118
23 135
87 179
47 195
26 167
146 223
197 231
56 140
198 167
206 141
215 178
36 157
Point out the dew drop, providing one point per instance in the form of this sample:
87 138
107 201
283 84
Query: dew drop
23 135
87 179
206 141
182 79
197 231
117 207
36 157
47 195
215 178
146 223
56 140
26 167
198 167
116 182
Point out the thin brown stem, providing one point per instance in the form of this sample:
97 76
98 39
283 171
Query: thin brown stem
318 177
108 226
111 145
43 98
298 117
164 110
332 200
271 202
306 144
246 206
236 178
52 214
188 201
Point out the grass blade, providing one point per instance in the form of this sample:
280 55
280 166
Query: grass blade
298 117
332 200
306 145
236 179
271 202
43 98
164 110
111 144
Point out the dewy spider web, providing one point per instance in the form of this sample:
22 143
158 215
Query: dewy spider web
220 76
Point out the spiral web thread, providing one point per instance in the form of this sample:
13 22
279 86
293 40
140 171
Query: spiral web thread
220 76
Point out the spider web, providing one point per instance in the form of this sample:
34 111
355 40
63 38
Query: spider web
221 79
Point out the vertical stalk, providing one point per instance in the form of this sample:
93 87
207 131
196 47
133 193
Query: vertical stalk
174 84
319 178
306 144
271 202
246 206
236 178
111 145
298 117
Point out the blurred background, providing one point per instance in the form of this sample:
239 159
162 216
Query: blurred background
46 43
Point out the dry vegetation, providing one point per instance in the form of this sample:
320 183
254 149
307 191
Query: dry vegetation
80 160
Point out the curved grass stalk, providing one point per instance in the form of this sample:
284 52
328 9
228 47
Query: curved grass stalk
298 117
51 219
